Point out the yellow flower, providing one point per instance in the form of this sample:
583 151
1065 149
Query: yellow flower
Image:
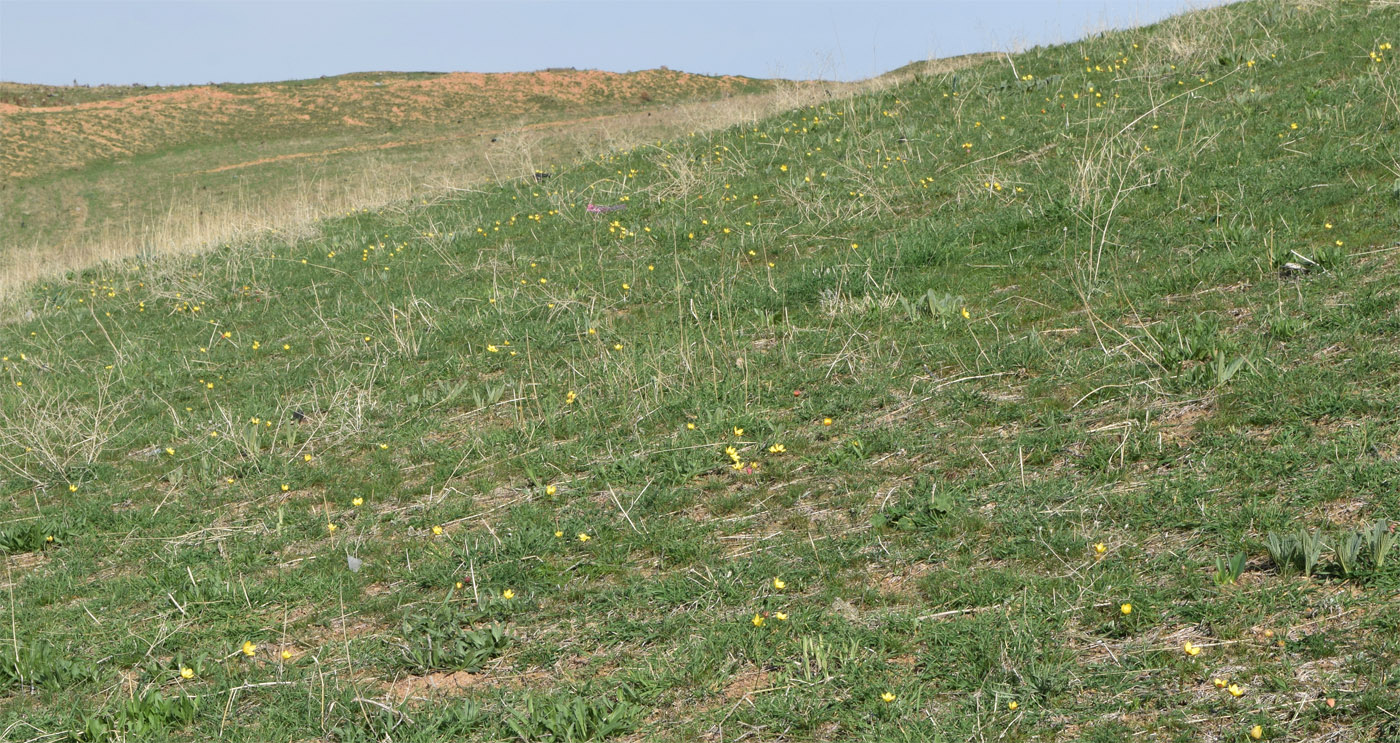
286 654
72 488
437 531
582 537
690 426
1012 705
777 449
1126 609
358 501
826 421
187 673
625 287
492 349
306 457
331 528
507 594
888 697
965 314
757 620
738 431
249 649
780 616
1256 732
569 398
558 534
1235 690
1219 683
1190 649
1100 548
285 487
779 584
169 451
459 585
550 490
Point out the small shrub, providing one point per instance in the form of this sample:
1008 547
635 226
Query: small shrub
1379 539
916 513
441 640
1347 552
1180 344
31 536
572 719
1225 370
940 307
138 718
1229 570
1353 554
41 665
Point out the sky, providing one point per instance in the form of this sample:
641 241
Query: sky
58 42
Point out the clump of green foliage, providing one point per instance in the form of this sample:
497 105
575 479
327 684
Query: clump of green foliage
1352 553
441 638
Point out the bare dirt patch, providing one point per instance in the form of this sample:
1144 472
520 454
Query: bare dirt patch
446 682
1180 423
745 684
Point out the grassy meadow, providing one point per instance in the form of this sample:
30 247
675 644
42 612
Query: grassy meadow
1050 399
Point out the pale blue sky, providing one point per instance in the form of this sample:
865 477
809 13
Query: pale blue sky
118 41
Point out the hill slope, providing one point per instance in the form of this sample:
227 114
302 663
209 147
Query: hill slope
44 138
985 406
88 174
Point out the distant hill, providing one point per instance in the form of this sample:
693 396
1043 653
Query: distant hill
97 172
46 129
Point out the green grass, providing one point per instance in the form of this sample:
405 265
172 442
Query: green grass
1026 333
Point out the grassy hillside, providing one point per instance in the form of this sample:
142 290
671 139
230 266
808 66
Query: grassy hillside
1049 399
110 172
